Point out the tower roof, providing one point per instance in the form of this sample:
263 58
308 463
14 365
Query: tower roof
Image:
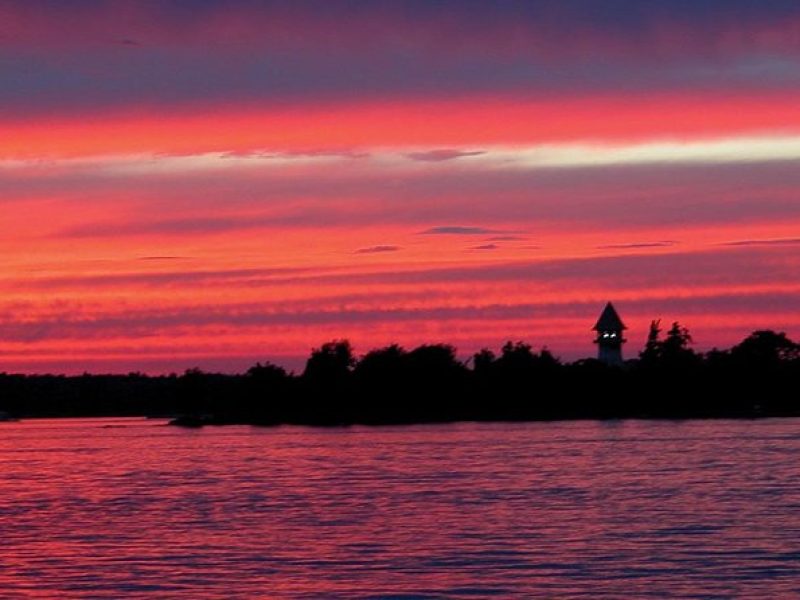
609 320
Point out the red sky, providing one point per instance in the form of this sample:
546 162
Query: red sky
211 184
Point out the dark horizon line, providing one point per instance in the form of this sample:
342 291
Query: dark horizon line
391 385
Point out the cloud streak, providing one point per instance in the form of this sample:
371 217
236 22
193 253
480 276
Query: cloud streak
442 155
458 230
378 249
775 242
186 321
638 245
687 269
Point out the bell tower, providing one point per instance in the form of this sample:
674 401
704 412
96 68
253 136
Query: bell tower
609 340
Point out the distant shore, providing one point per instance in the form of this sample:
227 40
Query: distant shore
668 380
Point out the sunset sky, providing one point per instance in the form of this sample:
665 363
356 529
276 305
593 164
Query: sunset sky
212 183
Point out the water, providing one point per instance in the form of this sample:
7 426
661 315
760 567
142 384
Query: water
132 508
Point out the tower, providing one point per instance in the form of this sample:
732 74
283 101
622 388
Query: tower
609 338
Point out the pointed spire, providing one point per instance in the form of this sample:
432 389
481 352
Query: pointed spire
609 320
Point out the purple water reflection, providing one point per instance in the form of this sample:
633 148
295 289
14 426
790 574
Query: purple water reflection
113 508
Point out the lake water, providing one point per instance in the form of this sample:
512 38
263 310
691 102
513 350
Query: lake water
632 509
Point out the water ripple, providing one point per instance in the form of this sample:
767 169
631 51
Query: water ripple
130 508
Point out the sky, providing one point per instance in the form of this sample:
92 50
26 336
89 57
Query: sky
214 183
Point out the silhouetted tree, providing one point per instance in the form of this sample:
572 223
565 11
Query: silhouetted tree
429 359
330 363
671 352
766 348
267 372
483 361
439 386
381 385
381 371
677 341
327 397
265 389
675 350
516 357
380 363
652 347
547 360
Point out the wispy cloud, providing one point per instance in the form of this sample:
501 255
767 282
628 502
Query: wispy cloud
377 249
458 230
485 247
637 245
443 154
768 242
188 226
507 238
732 149
163 258
297 154
637 270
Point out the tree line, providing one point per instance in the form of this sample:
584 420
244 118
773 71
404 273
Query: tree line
391 385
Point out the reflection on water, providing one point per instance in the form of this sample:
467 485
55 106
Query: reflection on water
112 508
